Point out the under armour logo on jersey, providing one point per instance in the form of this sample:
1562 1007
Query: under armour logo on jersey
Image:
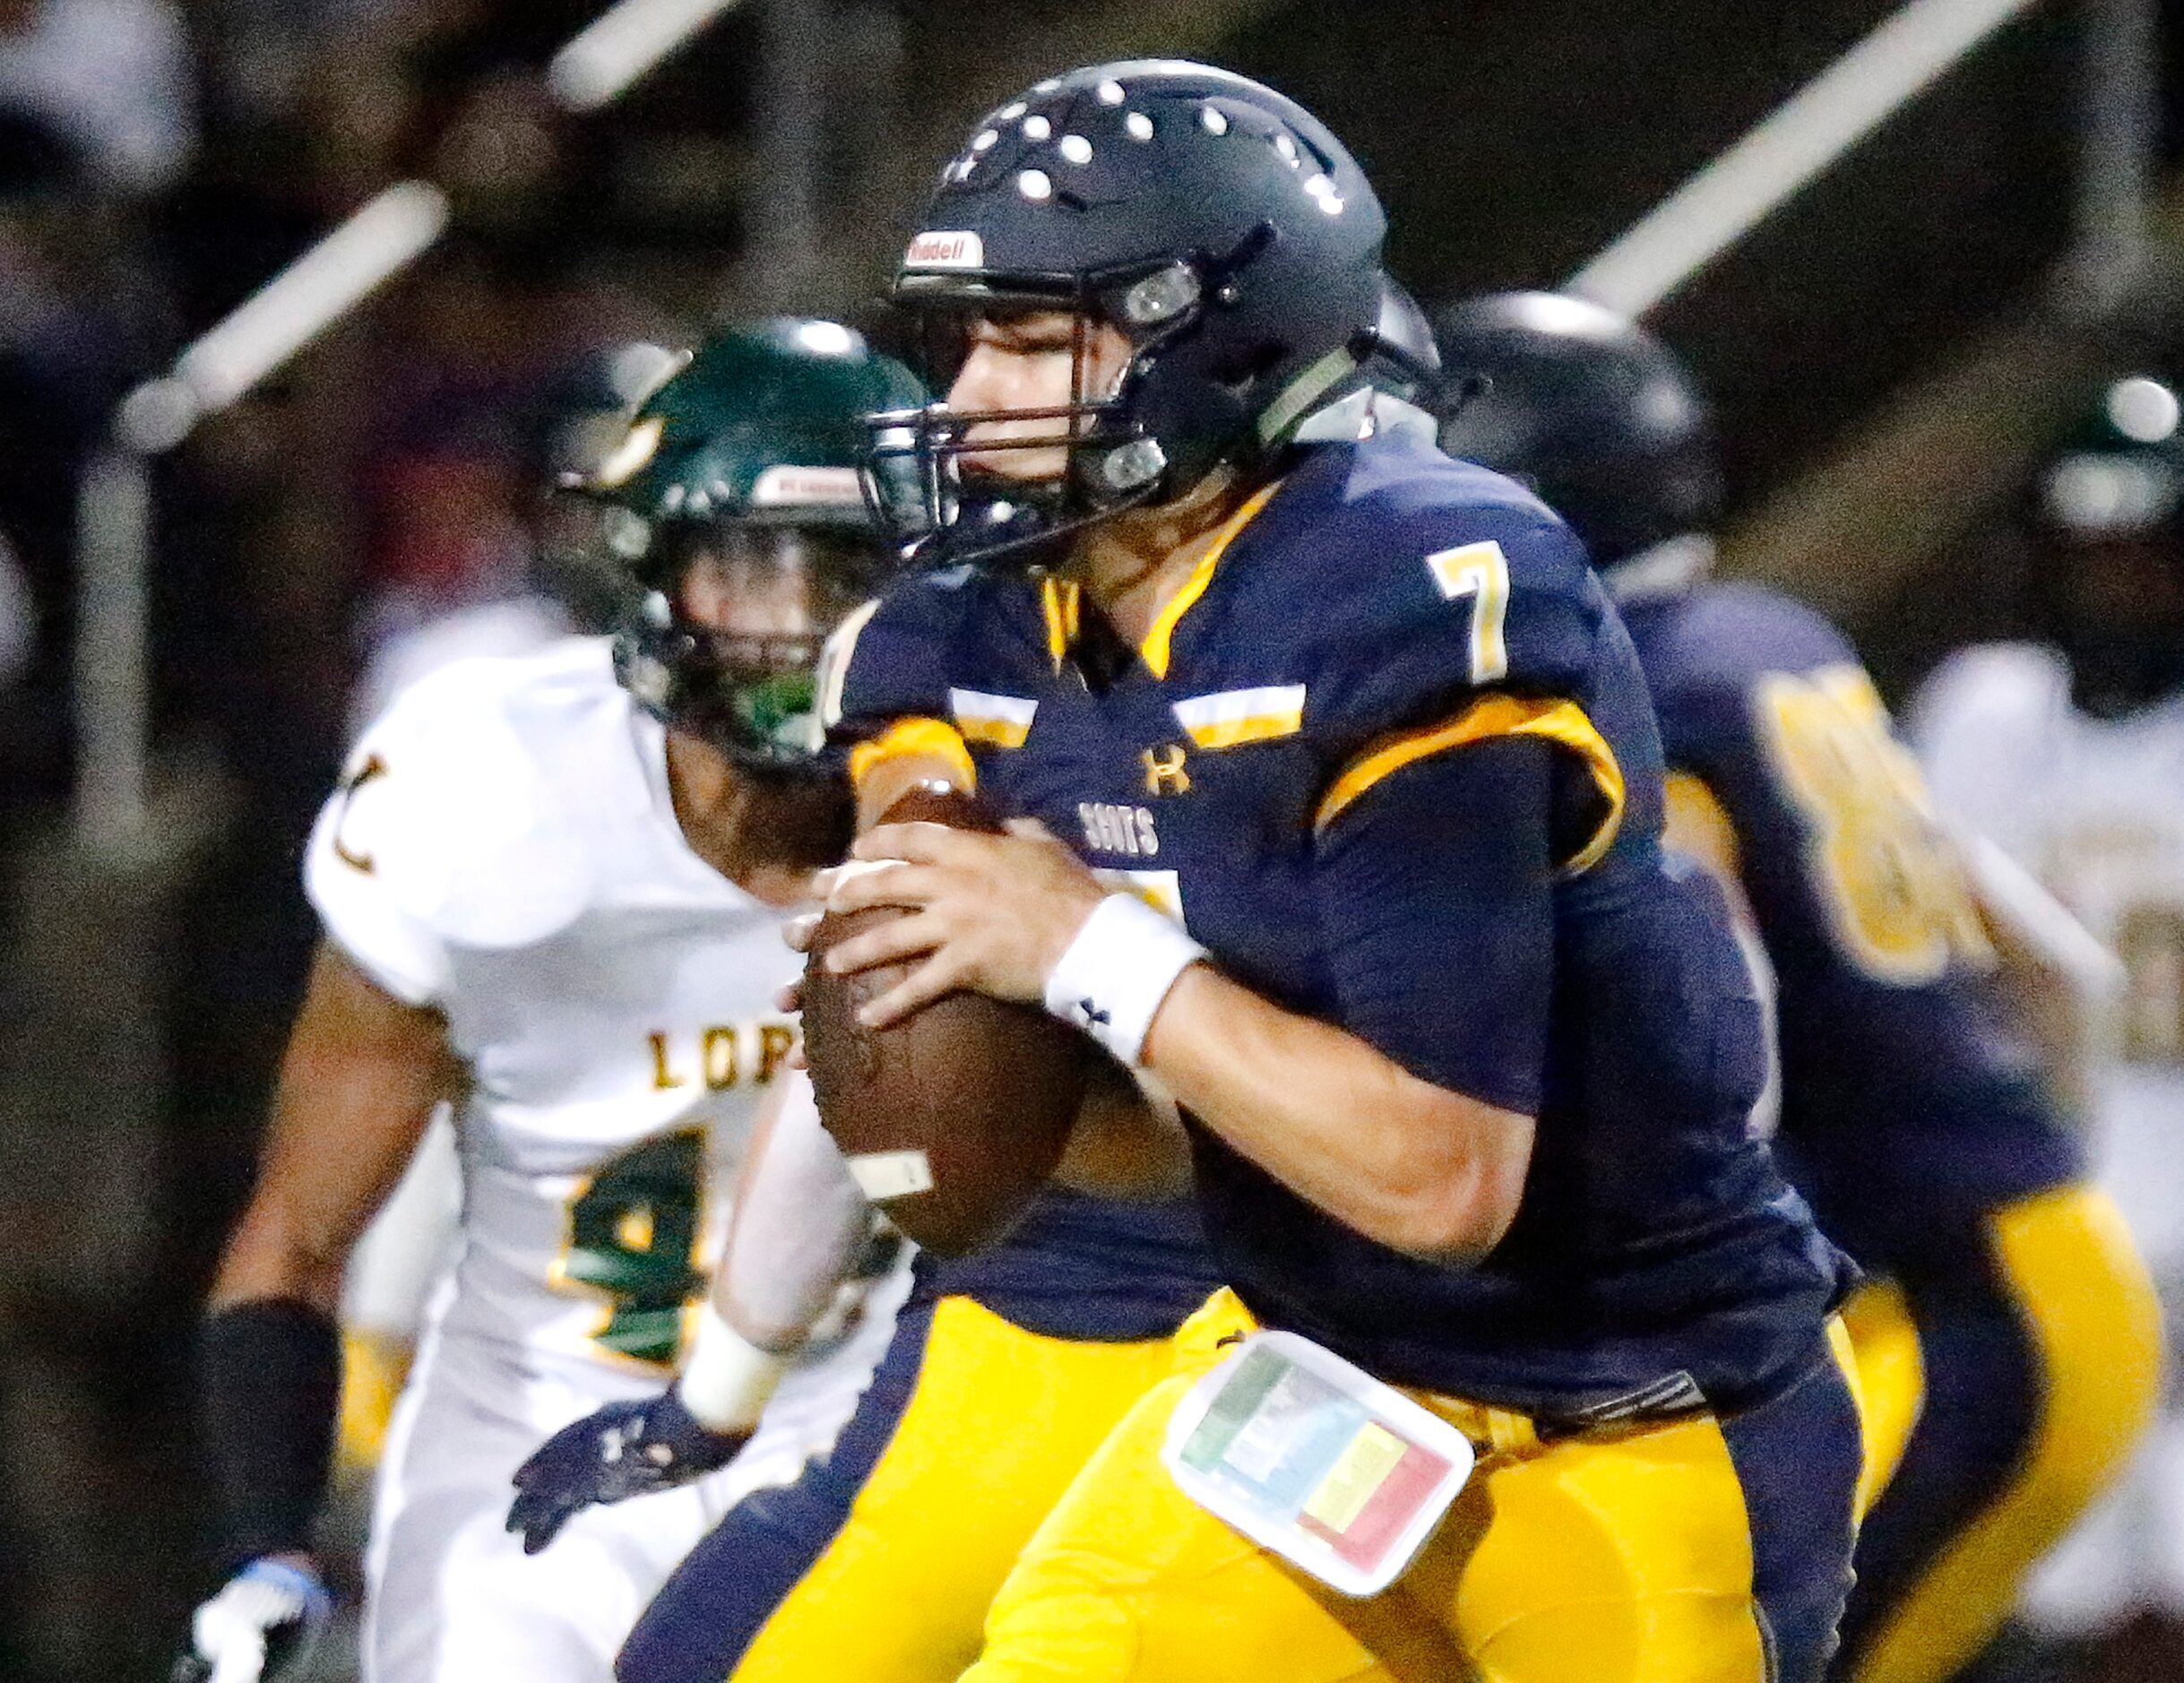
1089 1015
1164 772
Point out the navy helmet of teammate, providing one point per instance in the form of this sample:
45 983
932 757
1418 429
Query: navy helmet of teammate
1466 1067
2107 514
1598 416
1907 1110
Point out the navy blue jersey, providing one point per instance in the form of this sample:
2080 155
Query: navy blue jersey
1909 1110
1088 1268
1378 609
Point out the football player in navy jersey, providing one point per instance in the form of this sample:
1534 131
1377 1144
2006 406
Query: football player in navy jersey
1007 1369
1339 801
1911 1114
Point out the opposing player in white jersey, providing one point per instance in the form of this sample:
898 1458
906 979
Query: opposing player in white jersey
2069 756
551 887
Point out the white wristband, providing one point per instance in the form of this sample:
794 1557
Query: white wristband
728 1380
1113 977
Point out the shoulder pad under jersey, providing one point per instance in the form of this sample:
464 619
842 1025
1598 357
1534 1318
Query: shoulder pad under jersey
895 657
1439 584
464 812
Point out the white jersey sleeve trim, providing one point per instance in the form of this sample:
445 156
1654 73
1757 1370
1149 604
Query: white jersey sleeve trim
355 906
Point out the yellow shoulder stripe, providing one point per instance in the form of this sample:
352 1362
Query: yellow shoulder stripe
934 736
1231 717
1155 647
1492 716
1000 722
1699 826
1062 603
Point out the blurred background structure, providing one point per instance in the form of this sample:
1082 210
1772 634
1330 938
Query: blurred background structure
1981 222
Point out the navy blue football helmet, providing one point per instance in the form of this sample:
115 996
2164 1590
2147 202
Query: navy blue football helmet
1597 415
1218 225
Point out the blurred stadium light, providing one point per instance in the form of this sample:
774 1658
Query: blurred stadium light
1817 126
1940 451
1938 454
378 241
384 236
603 59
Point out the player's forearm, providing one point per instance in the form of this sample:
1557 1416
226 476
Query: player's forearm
280 1251
325 1176
1413 1166
1127 1143
800 1224
359 1081
2061 984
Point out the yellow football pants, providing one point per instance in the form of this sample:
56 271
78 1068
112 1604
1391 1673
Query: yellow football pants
1000 1422
1630 1555
2066 1264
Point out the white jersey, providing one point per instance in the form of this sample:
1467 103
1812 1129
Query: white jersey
505 848
2094 808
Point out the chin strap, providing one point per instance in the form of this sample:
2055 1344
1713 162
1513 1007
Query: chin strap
1302 397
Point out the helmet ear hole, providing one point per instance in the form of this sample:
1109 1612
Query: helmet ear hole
1249 365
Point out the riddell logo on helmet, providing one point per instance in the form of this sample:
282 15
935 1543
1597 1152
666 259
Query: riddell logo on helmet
945 250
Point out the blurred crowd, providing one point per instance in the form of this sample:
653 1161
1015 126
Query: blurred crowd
377 505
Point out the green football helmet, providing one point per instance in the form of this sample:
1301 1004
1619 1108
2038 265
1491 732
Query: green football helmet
735 532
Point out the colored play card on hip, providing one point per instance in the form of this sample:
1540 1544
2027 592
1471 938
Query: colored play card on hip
1317 1460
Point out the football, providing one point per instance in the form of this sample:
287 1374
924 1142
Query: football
955 1118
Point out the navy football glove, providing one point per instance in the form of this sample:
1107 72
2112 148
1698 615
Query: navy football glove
262 1624
626 1449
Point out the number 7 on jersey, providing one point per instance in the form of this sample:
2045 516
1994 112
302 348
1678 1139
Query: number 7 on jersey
1480 571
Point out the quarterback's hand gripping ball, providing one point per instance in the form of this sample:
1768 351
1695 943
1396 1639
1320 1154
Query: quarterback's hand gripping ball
952 1118
626 1449
263 1625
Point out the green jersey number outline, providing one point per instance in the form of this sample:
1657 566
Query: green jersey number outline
631 1235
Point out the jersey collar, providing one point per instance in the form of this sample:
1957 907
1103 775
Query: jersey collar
1160 639
1061 601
